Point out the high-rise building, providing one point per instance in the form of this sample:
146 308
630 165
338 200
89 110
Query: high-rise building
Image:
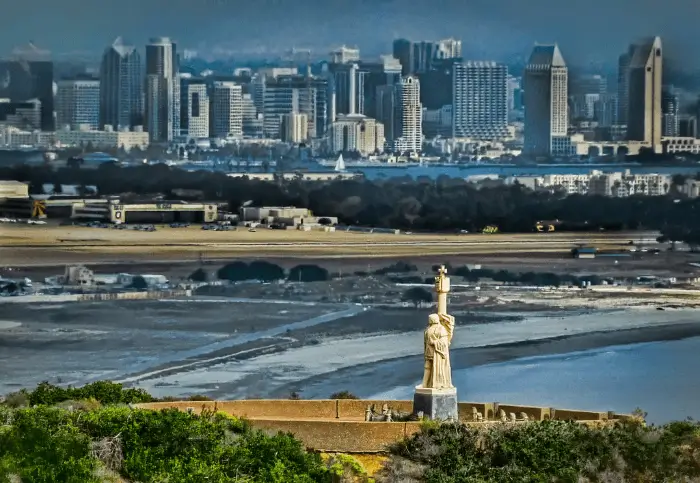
623 85
294 128
437 84
78 103
27 76
480 100
449 49
121 86
194 108
227 110
645 77
411 117
670 106
252 120
356 133
388 112
546 92
22 115
286 95
418 57
343 55
162 106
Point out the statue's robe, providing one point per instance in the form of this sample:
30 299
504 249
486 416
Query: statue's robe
438 372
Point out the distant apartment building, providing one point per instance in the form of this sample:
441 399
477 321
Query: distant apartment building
226 112
194 108
294 128
419 57
597 183
480 100
28 76
78 103
438 122
546 102
107 138
22 115
410 118
288 95
388 112
357 133
121 86
343 55
670 108
251 120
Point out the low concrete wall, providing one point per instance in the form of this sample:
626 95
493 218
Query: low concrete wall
324 409
342 436
337 425
354 408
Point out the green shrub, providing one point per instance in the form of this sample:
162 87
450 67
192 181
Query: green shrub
105 392
551 451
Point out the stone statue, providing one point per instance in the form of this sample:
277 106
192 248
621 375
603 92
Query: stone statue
436 397
437 373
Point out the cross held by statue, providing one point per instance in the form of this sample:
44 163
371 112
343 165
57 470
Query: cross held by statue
442 287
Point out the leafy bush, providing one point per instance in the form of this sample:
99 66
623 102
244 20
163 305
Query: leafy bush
417 296
105 392
199 275
46 445
308 273
257 270
398 267
549 451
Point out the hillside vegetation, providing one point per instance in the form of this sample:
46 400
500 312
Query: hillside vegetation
93 434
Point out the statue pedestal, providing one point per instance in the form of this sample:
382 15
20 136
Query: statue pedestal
436 404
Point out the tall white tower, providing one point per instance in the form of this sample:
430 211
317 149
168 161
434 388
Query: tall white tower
227 110
411 116
546 101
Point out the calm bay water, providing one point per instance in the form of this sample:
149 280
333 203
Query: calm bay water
659 377
374 173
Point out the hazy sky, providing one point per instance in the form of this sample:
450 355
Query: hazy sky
587 31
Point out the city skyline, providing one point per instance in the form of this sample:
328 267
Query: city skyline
488 30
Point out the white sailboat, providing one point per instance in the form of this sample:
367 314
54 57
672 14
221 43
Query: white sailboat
340 164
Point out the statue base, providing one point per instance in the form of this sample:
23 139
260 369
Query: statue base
436 404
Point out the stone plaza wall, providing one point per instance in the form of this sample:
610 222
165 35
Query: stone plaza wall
338 425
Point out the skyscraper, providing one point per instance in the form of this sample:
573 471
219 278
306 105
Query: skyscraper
480 100
623 85
671 115
418 57
27 76
411 117
546 115
78 103
645 77
387 111
227 110
162 104
288 94
121 86
194 108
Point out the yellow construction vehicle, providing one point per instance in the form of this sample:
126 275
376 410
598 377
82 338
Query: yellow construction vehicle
38 209
490 229
544 227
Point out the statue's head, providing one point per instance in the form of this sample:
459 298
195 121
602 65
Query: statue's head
433 319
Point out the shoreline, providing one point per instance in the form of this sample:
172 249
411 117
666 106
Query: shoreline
405 371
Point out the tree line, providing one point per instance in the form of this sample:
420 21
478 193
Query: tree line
443 204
